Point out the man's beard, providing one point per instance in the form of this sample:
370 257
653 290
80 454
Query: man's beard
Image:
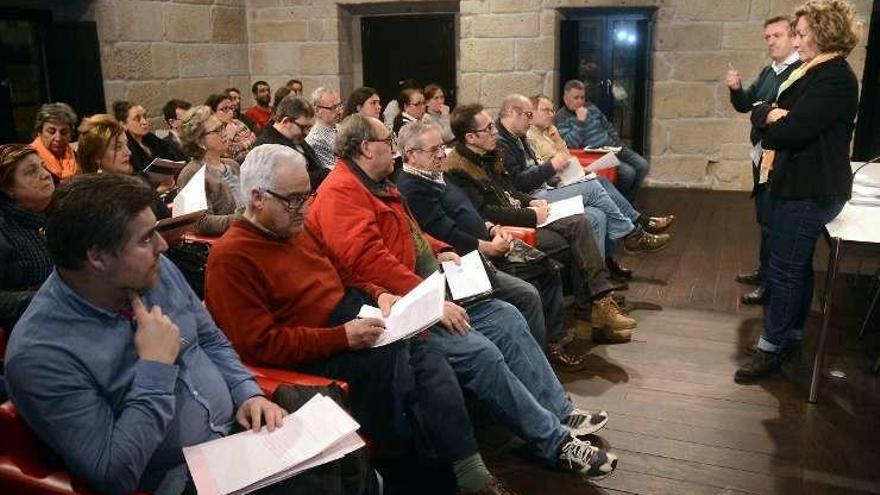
263 102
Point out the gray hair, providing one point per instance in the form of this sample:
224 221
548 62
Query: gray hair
55 112
193 128
574 84
410 136
260 166
512 101
353 131
318 95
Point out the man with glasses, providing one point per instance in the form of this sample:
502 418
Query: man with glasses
174 111
362 220
328 110
294 117
413 102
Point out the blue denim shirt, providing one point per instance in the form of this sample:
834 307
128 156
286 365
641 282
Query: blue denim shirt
118 421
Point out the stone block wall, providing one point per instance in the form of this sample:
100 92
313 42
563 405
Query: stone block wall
156 49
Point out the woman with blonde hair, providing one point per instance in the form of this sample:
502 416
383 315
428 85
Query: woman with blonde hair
201 136
806 138
103 146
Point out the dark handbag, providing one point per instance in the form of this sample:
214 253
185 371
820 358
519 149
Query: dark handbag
526 262
191 259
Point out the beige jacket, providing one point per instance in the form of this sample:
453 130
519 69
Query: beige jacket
221 200
544 145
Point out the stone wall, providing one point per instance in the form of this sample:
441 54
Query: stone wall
152 50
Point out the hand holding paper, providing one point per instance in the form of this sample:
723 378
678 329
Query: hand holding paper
564 208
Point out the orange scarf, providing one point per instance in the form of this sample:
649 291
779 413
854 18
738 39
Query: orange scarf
64 168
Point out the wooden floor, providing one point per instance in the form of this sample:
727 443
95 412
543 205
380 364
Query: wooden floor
679 423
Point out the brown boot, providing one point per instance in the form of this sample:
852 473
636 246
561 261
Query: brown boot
494 487
642 242
606 314
558 356
658 225
608 336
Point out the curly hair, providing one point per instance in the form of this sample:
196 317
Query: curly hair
95 134
10 155
834 24
192 129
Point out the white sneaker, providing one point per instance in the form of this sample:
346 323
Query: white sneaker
590 462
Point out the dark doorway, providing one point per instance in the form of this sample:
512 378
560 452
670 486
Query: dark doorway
867 145
610 51
43 61
398 47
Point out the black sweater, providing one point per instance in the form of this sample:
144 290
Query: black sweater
812 142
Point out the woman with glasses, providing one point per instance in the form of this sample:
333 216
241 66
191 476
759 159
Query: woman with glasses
413 101
237 135
201 135
437 111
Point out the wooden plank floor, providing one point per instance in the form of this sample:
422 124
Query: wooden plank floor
679 423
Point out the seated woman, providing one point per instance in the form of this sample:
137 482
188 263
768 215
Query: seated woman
236 134
365 101
143 144
54 129
26 189
438 111
200 135
103 148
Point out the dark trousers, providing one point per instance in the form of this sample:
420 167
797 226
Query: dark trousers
763 215
797 225
539 301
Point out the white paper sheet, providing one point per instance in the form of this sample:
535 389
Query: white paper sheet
243 462
419 309
468 279
192 197
608 160
607 149
565 208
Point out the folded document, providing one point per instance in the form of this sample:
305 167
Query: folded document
414 312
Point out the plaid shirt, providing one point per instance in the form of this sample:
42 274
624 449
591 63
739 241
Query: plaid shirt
321 139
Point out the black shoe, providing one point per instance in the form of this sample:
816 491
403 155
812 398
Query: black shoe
617 270
751 349
753 278
758 296
759 365
617 284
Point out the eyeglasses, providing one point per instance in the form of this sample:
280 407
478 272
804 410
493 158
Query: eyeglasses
304 127
333 108
490 128
528 115
216 130
293 202
433 150
391 140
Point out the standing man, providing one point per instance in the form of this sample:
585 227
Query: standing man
784 58
261 112
328 110
582 124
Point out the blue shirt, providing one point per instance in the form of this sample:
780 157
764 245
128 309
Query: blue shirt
118 421
596 131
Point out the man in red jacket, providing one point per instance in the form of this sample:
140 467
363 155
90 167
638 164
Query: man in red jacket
361 217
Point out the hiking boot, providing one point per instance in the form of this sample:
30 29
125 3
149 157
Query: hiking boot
759 365
581 457
494 487
658 225
558 356
752 278
607 314
640 241
581 422
609 336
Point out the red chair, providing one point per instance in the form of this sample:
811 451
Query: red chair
588 157
526 234
29 467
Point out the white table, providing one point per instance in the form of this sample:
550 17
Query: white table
855 226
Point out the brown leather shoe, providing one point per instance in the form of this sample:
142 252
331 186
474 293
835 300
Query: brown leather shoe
617 270
643 242
494 487
558 356
658 225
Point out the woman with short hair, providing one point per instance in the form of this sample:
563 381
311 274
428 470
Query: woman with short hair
201 137
237 135
53 131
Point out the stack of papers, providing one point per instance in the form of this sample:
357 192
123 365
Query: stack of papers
605 149
414 312
574 173
469 280
564 208
608 160
192 197
864 195
318 433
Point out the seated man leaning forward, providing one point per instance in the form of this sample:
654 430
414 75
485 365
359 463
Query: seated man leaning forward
361 218
275 291
116 365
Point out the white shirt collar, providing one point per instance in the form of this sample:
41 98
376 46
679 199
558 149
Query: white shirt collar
778 67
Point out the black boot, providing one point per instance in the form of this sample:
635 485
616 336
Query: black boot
759 365
753 278
756 297
617 270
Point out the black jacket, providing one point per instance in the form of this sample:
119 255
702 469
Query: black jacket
159 149
317 172
521 163
487 184
443 211
812 142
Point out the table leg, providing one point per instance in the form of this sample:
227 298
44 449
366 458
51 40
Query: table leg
830 279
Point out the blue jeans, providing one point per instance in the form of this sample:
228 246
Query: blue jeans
625 207
763 213
796 227
631 172
502 365
606 218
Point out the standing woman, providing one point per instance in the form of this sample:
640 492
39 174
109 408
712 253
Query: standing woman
26 189
201 136
806 138
144 145
54 130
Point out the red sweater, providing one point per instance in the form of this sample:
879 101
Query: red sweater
273 297
260 116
